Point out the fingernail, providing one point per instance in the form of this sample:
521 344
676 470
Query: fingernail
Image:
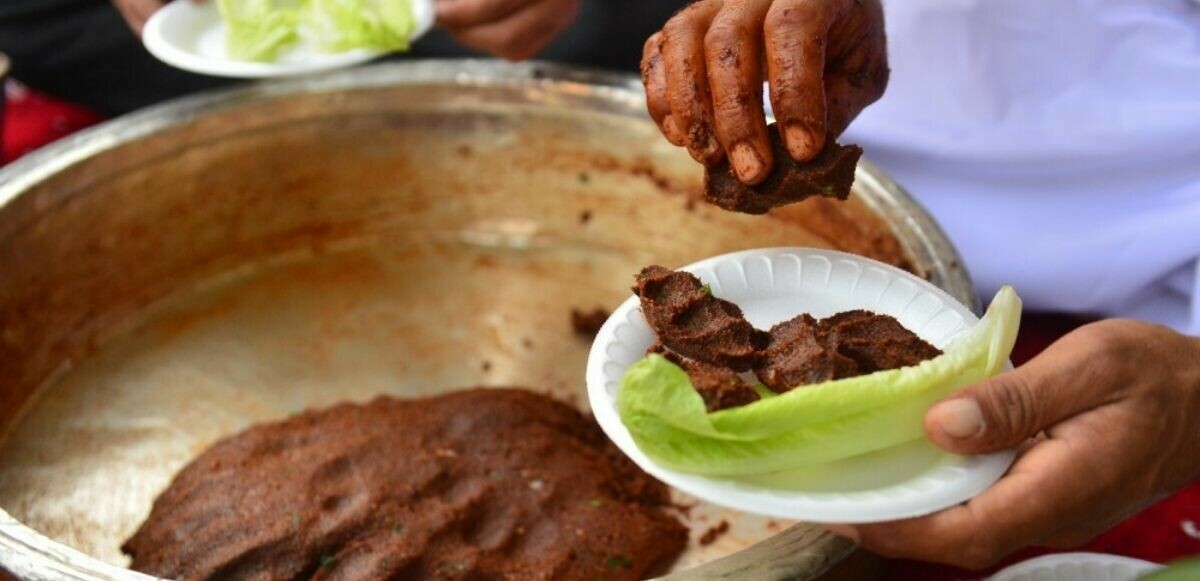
705 148
711 151
959 418
746 162
674 133
845 531
801 143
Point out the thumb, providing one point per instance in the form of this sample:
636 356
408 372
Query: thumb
1004 411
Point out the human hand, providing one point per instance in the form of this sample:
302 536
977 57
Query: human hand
137 12
825 61
1108 420
511 29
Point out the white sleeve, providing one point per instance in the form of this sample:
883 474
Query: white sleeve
1058 143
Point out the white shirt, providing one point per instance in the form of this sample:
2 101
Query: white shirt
1057 142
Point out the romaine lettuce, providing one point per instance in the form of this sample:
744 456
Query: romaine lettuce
382 25
258 29
812 424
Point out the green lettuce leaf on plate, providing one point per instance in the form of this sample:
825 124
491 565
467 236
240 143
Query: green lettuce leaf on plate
1186 570
258 29
381 25
812 424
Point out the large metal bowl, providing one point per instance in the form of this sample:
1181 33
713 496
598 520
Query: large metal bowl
173 276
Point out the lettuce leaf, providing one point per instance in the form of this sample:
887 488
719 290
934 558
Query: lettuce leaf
813 424
1187 569
258 29
382 25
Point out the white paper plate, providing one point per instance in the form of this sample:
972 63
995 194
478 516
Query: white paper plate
774 285
1077 567
191 36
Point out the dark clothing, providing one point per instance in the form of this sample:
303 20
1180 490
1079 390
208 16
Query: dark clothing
13 8
83 52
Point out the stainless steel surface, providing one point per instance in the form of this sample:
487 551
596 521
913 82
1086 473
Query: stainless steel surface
173 276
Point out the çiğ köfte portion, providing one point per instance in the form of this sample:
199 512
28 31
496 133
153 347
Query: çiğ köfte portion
476 484
711 340
690 321
830 174
720 387
804 350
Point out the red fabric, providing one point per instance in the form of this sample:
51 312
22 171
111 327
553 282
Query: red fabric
32 120
1159 533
